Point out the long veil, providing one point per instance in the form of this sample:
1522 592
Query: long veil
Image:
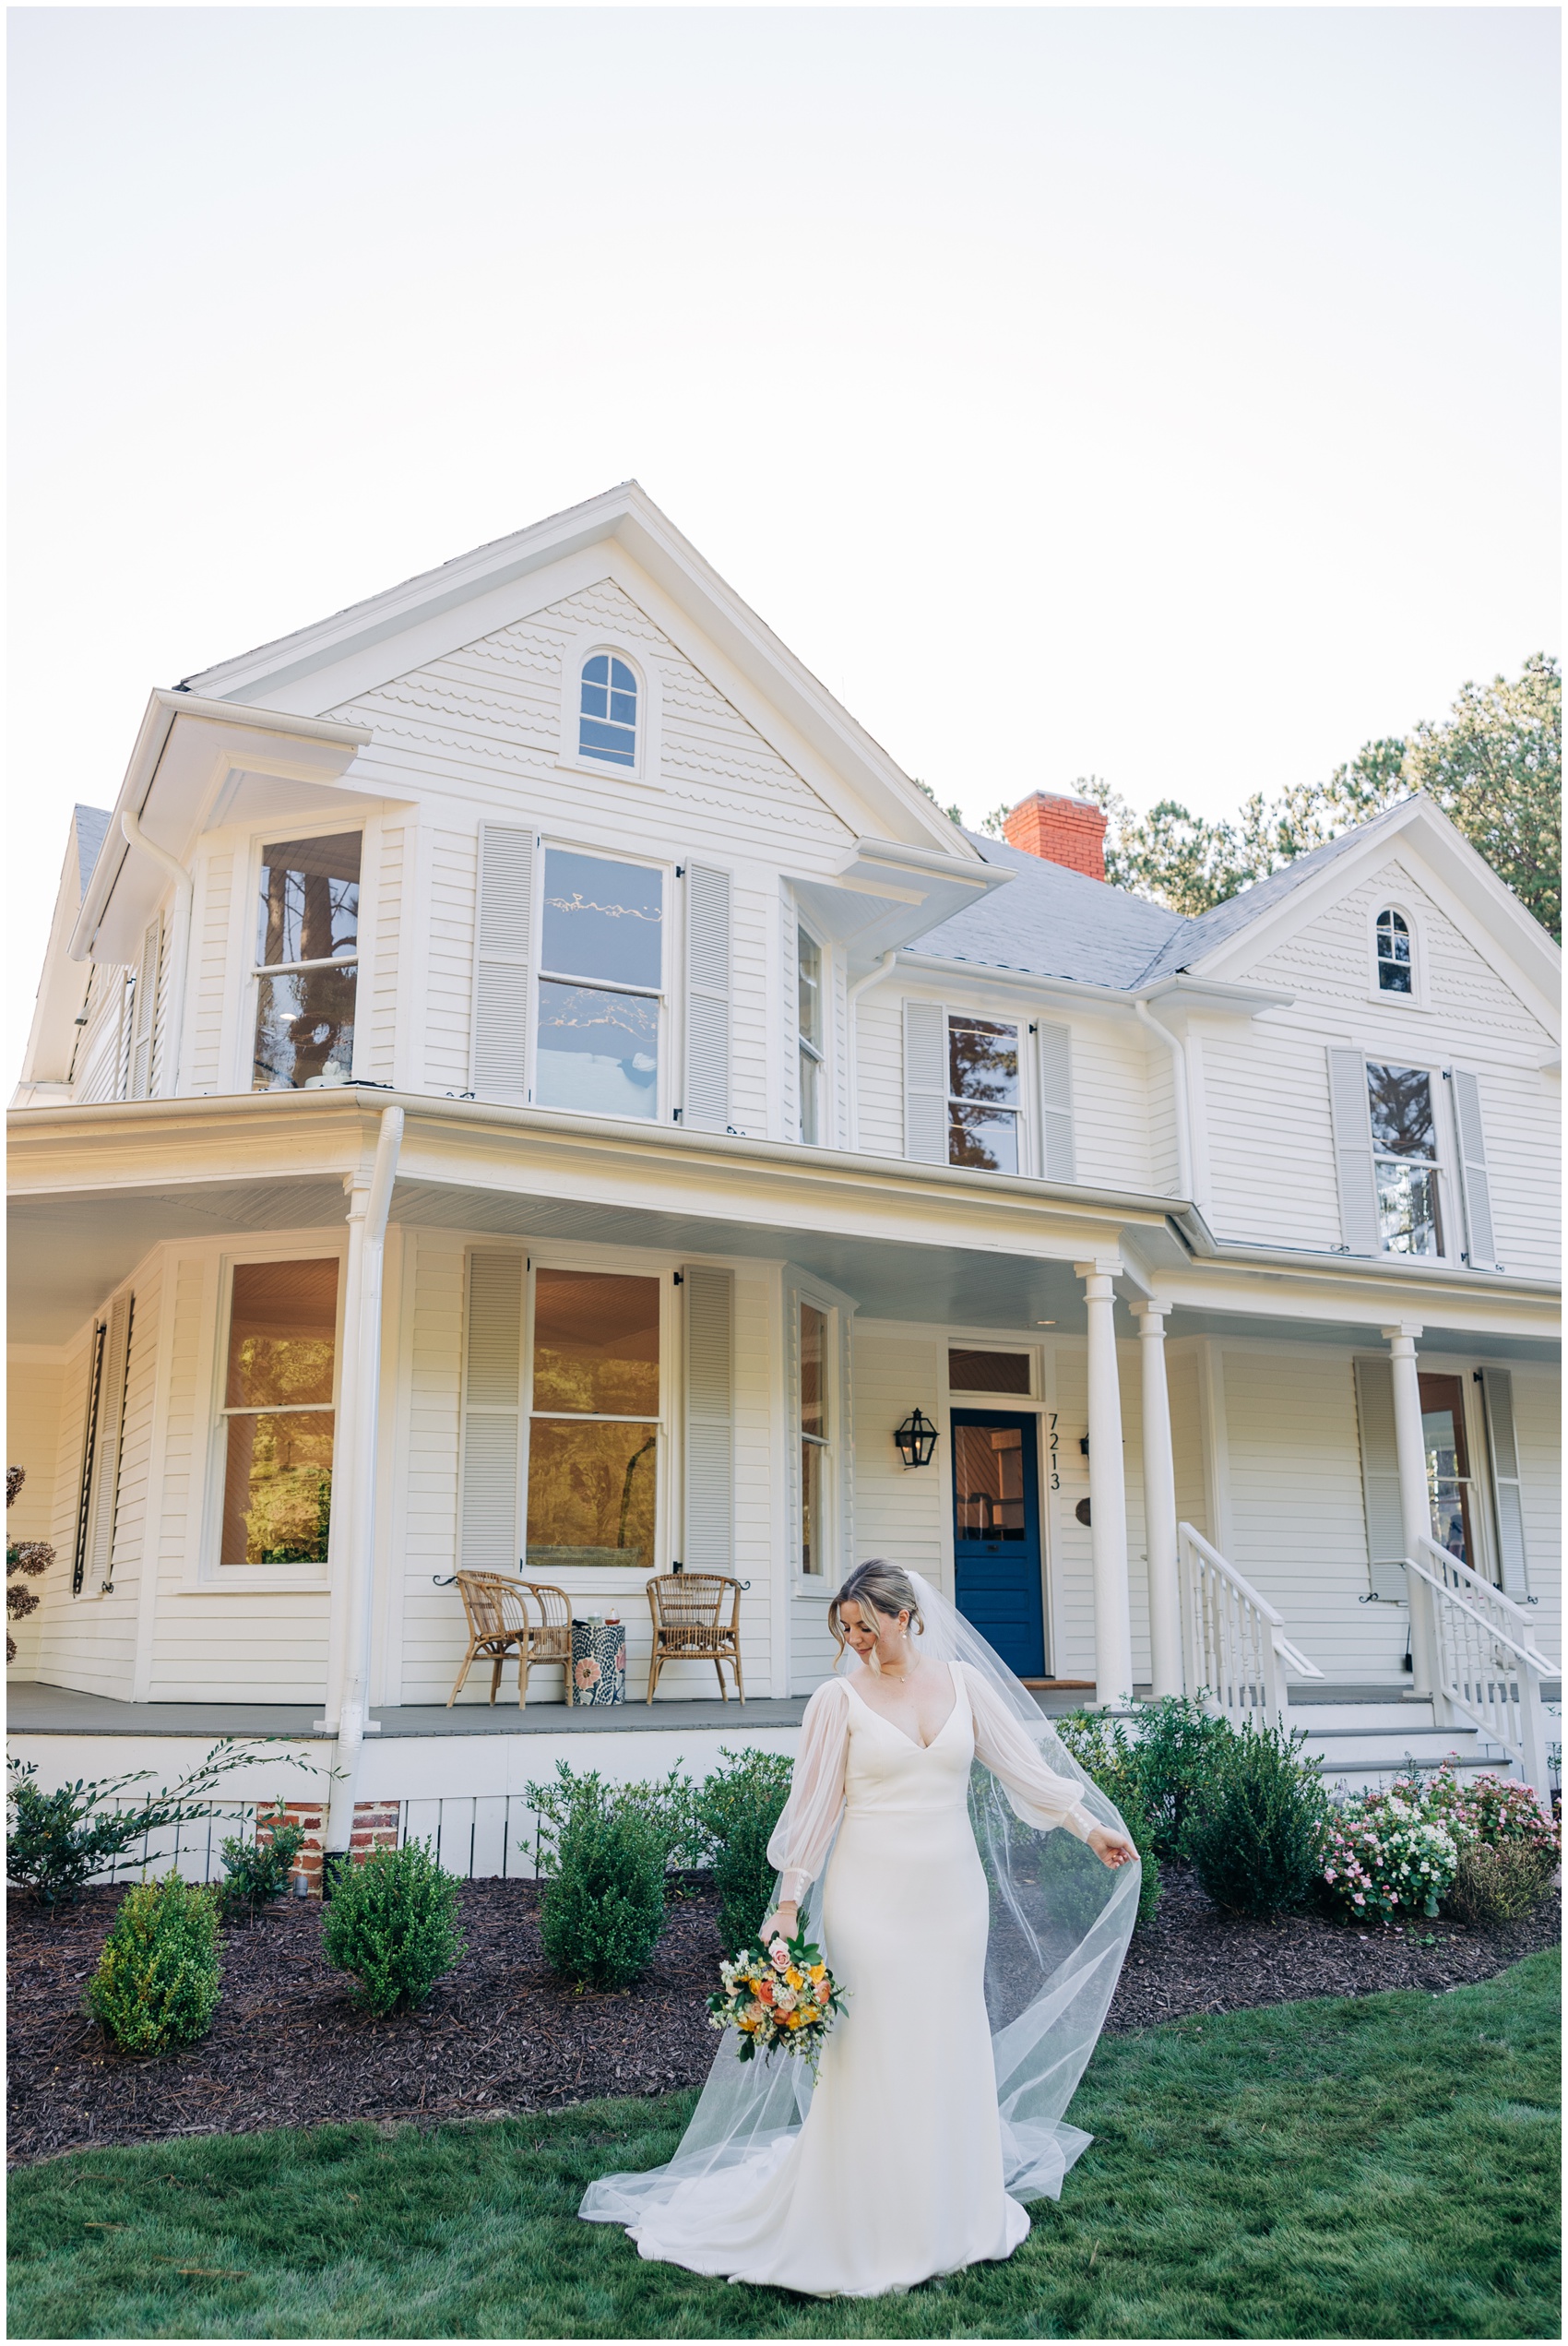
1060 1923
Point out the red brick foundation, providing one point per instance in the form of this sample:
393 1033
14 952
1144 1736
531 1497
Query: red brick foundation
375 1826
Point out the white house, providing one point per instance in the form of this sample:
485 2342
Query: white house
521 1080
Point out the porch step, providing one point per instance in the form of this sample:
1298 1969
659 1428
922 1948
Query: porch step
1367 1755
1363 1717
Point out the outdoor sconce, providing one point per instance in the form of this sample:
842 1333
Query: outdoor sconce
916 1439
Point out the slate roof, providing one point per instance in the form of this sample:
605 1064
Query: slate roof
1055 924
92 828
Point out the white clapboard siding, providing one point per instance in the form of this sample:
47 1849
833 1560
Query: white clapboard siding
1058 1149
210 977
501 973
925 1082
144 1015
1353 1150
709 1529
1380 1477
1480 1245
1502 1441
708 982
491 1413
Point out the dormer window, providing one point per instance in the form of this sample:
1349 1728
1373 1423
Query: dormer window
607 724
1395 967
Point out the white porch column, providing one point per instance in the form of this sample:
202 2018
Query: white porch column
1108 1498
360 1399
1415 1506
1160 1507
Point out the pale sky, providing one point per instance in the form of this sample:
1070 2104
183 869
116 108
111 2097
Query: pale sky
1169 395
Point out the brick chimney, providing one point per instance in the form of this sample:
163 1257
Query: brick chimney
1060 830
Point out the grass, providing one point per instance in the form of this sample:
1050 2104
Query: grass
1377 2167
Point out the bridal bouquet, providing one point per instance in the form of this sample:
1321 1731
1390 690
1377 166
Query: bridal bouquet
778 1996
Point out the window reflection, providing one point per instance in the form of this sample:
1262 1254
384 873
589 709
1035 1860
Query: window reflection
982 1069
1404 1129
595 1343
599 1037
593 1445
307 925
280 1426
987 1475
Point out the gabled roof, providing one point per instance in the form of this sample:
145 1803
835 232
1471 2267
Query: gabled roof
326 665
1212 928
1057 923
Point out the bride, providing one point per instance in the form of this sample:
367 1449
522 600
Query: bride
978 1948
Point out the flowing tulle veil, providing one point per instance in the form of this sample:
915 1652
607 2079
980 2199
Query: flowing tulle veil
1060 1923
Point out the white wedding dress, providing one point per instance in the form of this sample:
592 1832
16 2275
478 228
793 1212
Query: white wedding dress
898 2171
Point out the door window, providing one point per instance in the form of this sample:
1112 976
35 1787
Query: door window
988 1467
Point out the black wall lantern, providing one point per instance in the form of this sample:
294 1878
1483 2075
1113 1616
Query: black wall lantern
916 1439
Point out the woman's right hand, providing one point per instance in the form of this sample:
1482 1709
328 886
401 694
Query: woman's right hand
783 1923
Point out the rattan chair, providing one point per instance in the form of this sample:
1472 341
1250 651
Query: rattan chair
500 1625
686 1609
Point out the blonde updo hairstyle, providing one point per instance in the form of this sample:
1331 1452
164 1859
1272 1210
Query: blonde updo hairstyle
880 1587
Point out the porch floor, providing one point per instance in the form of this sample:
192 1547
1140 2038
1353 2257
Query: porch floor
36 1709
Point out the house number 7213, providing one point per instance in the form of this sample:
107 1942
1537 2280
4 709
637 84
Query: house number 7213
1055 1478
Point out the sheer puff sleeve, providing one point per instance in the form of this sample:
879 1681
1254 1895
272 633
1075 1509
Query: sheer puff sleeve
1002 1744
804 1832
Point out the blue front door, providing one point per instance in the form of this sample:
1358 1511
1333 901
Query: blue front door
997 1533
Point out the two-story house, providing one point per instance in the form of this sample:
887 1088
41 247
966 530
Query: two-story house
521 1081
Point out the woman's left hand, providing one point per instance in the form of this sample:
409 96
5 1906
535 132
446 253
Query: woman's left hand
1110 1847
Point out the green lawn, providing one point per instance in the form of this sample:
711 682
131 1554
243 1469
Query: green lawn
1384 2167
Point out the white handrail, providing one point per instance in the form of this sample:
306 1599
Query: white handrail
1488 1596
1234 1651
1481 1672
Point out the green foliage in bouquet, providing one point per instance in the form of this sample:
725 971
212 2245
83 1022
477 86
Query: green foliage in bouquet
392 1924
738 1808
158 1979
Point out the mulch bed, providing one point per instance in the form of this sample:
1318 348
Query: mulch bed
500 2033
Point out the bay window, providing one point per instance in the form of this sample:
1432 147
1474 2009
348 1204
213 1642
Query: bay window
278 1412
307 963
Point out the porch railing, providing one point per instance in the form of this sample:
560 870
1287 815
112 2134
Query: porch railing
1486 1663
1234 1651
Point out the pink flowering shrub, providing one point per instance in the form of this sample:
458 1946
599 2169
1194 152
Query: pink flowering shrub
1494 1810
1382 1857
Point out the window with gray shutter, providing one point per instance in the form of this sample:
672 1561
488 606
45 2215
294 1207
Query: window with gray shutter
492 1358
144 1015
925 1082
710 1528
1496 1389
499 1059
1353 1151
1058 1154
1480 1246
1380 1477
90 1457
707 1102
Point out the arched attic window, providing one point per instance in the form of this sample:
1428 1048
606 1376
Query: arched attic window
607 725
1395 957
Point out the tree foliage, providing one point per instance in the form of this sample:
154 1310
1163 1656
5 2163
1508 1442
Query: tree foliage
1493 765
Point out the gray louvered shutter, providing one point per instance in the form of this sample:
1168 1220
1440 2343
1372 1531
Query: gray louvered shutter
1353 1152
707 1102
925 1082
491 1413
144 1015
1497 1386
1058 1155
100 1558
1380 1477
709 1528
1473 1178
500 1053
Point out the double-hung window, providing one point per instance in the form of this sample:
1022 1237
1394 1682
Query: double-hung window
809 1030
1404 1159
307 963
278 1412
816 1477
594 1436
983 1101
601 985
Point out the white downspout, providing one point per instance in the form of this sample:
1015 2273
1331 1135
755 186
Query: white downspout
346 1703
1179 1090
180 948
851 1027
